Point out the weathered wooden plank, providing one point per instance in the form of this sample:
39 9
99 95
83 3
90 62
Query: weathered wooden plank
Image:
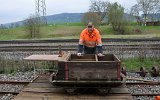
44 58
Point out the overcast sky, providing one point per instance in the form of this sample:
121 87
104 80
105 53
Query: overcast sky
17 10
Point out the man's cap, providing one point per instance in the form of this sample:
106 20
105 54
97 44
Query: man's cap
90 24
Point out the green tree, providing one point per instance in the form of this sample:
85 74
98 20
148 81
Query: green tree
100 7
134 11
147 7
91 17
116 18
32 25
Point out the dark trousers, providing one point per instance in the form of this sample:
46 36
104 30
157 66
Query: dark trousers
89 50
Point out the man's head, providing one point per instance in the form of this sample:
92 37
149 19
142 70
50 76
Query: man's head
90 27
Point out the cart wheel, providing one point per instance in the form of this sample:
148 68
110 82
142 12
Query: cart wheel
143 72
71 91
52 77
154 71
123 71
123 77
103 91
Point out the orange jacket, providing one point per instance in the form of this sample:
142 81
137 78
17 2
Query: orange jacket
157 97
90 40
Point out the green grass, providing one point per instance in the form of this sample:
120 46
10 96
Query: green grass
59 31
106 30
136 63
11 34
73 30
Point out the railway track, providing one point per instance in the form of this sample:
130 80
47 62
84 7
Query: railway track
8 92
76 40
144 90
41 88
106 41
71 49
123 48
71 45
15 82
12 87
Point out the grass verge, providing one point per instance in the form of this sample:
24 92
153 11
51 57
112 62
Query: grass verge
136 63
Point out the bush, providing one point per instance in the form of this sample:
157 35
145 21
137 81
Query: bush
137 31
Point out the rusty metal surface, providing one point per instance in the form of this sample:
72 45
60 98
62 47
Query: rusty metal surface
92 71
89 84
93 57
85 57
46 91
90 67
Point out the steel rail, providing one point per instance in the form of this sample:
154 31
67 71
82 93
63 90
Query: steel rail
8 92
74 45
146 94
15 82
143 83
73 48
76 40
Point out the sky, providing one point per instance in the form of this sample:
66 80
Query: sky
17 10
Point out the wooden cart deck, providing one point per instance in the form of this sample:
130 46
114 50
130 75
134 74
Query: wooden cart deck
42 89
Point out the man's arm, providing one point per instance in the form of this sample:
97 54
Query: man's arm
80 48
99 49
81 43
99 42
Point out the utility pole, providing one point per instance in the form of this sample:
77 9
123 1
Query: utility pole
41 10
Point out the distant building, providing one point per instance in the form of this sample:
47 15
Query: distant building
152 19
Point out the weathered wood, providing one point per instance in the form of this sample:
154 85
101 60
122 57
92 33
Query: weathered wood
45 91
43 57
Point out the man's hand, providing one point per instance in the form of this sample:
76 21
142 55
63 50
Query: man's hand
79 54
100 54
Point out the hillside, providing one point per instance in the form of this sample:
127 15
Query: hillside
51 19
64 18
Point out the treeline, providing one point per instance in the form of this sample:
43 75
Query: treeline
104 12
